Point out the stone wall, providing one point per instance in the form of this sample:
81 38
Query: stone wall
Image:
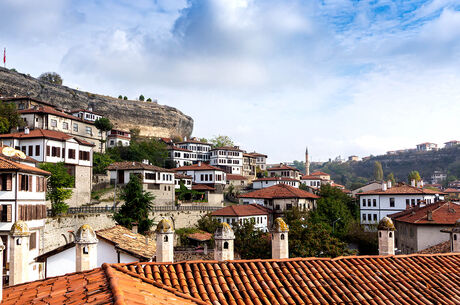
151 118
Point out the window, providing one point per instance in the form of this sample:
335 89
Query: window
33 241
226 245
282 236
374 202
364 217
407 202
375 217
288 206
5 213
75 127
412 202
37 150
24 149
150 176
89 130
25 183
83 155
53 123
71 153
6 182
65 125
48 148
31 150
392 202
368 202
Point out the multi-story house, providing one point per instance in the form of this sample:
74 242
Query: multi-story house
427 146
249 165
376 204
156 180
201 149
229 159
184 179
87 115
451 144
179 156
55 147
270 181
117 137
316 179
283 170
261 160
22 196
242 213
41 115
438 177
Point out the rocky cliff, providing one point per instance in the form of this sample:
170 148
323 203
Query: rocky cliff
152 119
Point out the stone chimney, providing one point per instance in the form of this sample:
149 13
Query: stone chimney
389 184
384 186
223 238
26 130
455 237
135 227
412 183
86 248
165 241
280 244
386 236
429 215
2 247
19 253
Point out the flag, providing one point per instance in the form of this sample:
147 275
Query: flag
4 56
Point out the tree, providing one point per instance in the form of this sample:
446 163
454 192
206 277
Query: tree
149 99
9 117
138 204
125 98
203 140
51 77
120 97
59 186
414 175
100 162
207 223
391 177
378 171
147 149
220 141
250 242
104 125
141 98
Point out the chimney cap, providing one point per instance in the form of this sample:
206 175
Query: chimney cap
224 231
386 224
165 226
85 235
280 226
20 228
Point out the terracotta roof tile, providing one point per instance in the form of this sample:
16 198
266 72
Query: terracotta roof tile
44 133
319 173
443 247
202 187
442 213
7 165
236 177
275 179
451 190
401 189
126 165
279 191
282 167
16 158
172 147
200 236
52 110
242 210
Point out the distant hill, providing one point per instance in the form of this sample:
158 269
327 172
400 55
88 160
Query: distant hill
352 173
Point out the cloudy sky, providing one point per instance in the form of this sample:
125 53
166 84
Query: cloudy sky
343 77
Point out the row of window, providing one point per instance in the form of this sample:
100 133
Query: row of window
65 126
370 217
257 220
57 151
228 161
374 202
158 176
25 183
196 147
226 153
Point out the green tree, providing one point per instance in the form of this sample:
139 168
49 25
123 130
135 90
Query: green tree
207 223
414 175
125 97
59 186
149 149
203 140
141 98
104 125
9 117
391 177
138 204
220 141
378 171
149 99
51 77
120 97
250 242
100 162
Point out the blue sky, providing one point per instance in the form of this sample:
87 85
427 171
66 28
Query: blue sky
343 77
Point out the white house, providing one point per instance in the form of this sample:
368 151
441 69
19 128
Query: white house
281 197
180 156
22 196
230 159
427 146
241 213
201 149
55 147
261 160
270 181
86 114
203 173
451 144
186 180
376 204
117 137
156 180
283 170
115 245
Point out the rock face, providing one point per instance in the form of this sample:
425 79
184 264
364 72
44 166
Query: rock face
152 119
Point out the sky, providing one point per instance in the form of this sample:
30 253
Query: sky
341 77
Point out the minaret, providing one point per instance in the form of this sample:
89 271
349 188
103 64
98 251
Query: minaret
280 244
165 241
307 162
386 236
223 239
19 253
86 248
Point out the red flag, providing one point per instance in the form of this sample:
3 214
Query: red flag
4 55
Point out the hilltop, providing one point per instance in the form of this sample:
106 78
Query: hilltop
152 119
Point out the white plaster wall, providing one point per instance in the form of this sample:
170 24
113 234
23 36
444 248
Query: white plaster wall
61 263
428 236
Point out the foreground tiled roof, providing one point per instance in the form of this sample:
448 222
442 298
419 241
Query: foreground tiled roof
402 189
44 133
443 213
279 191
443 247
126 165
239 210
9 165
124 239
198 167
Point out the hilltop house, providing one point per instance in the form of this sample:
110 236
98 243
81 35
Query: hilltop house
261 160
54 147
270 181
86 114
179 156
427 146
201 150
451 144
229 159
117 137
249 165
283 170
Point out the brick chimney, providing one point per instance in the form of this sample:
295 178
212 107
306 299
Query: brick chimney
224 238
19 253
86 248
386 236
280 244
165 241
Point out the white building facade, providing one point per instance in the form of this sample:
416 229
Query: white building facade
179 156
270 181
229 159
201 149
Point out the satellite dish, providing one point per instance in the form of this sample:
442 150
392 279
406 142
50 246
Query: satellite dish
9 151
20 154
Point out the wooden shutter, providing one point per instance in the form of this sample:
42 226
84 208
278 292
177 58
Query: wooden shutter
37 150
29 181
63 152
1 181
9 182
47 151
37 184
19 178
8 212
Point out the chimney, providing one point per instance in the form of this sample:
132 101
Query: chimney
419 184
199 163
86 248
389 184
2 247
280 245
386 236
145 161
455 237
26 130
165 241
223 238
19 253
429 215
135 227
384 186
412 183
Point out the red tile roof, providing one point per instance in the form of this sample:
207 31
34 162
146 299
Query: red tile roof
171 147
236 177
202 187
196 167
240 210
16 158
451 190
310 177
44 133
131 165
318 173
194 142
401 189
443 247
282 167
256 154
200 236
180 176
232 148
53 111
443 213
276 179
402 279
9 165
279 191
